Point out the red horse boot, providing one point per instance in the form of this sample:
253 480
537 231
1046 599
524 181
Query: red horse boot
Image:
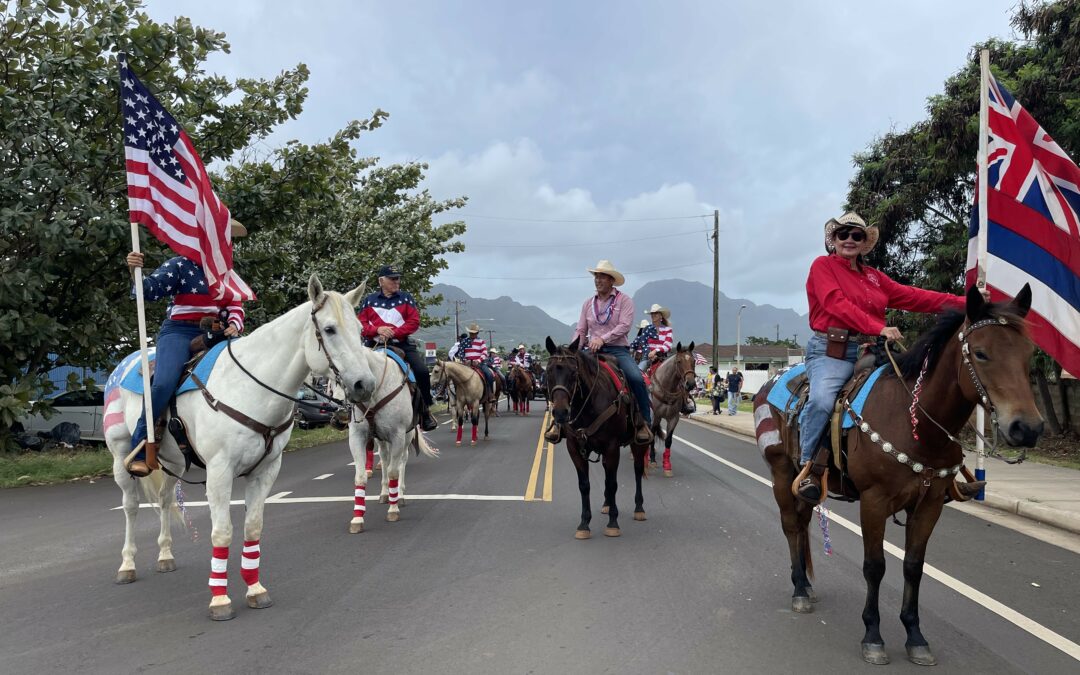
667 462
369 461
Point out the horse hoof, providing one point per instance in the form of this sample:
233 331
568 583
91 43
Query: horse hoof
920 655
652 464
472 442
125 576
222 612
393 517
639 515
604 509
457 443
166 565
874 653
612 532
384 499
356 528
802 605
259 600
812 593
667 473
582 534
368 472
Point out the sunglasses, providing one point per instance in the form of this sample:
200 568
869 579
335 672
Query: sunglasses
856 235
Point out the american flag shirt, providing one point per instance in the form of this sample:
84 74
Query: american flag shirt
475 350
523 359
398 311
183 282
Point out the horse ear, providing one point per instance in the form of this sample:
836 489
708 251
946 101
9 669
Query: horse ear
690 348
314 288
1022 301
551 347
574 345
976 306
678 347
354 296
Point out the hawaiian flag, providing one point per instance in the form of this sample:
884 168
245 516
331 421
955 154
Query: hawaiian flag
700 360
169 191
1033 197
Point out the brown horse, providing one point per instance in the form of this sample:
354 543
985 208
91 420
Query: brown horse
521 389
596 415
671 385
967 358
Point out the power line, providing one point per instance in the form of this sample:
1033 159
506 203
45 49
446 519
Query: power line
606 242
554 220
577 276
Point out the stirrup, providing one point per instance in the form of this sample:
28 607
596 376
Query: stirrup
809 486
553 433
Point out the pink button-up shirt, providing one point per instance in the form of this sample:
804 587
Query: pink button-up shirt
614 330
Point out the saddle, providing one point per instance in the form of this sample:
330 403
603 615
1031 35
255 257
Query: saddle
488 393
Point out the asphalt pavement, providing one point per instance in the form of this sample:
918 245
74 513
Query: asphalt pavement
482 574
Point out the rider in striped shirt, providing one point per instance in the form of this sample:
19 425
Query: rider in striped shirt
474 351
656 341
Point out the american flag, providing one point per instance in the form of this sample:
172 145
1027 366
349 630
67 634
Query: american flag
170 192
1032 231
700 360
114 406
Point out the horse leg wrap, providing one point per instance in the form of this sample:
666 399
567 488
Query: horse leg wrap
359 502
249 564
667 459
392 491
369 453
219 564
459 428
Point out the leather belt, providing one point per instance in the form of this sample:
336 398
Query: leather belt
852 337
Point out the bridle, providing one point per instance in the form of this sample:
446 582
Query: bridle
668 396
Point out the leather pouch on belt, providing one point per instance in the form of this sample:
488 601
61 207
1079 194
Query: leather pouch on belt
836 346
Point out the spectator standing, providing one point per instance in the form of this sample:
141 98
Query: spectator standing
734 389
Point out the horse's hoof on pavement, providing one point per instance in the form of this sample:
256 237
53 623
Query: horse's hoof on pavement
125 576
356 528
457 443
368 472
604 509
393 517
920 655
259 600
802 605
472 442
652 464
667 473
166 565
384 499
612 532
582 534
639 515
222 612
874 653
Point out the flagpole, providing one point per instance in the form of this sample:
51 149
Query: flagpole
140 307
980 240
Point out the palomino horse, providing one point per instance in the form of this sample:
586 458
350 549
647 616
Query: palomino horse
981 356
388 418
591 404
321 335
521 389
468 394
672 382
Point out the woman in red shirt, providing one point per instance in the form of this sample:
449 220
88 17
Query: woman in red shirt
847 295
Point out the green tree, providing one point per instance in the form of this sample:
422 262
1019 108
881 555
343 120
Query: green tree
770 342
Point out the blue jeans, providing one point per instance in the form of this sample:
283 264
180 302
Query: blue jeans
827 375
733 398
173 350
633 377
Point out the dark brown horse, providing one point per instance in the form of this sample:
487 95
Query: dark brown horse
978 356
671 385
595 415
520 388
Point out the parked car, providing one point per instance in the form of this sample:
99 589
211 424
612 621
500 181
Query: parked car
82 407
313 411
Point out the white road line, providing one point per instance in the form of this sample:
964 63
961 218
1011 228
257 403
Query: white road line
322 477
280 499
280 495
351 464
1011 615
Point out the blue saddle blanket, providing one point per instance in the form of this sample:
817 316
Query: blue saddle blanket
133 380
785 401
401 363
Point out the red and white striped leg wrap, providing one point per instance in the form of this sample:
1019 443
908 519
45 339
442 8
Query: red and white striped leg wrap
249 564
219 564
392 490
359 502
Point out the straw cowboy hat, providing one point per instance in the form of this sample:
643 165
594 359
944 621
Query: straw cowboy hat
657 308
644 324
851 219
521 346
473 328
237 228
605 267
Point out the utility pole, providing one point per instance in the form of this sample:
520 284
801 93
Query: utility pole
715 285
777 333
491 343
458 304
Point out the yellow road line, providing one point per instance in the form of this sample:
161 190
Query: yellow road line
530 489
548 470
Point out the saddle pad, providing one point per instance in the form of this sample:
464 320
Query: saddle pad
133 380
398 360
783 400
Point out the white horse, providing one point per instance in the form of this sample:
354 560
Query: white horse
394 433
320 335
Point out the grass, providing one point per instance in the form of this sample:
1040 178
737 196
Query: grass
306 438
704 404
53 466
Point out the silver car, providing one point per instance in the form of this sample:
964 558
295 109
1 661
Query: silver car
83 407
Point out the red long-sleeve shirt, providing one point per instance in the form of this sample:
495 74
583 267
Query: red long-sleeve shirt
856 299
397 311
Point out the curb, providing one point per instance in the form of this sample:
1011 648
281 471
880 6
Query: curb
1040 513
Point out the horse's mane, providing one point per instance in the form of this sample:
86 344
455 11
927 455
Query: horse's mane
933 341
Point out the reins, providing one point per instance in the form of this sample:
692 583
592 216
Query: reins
583 434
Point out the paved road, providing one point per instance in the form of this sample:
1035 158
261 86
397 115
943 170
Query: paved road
499 586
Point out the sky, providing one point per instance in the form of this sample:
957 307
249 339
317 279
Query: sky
582 131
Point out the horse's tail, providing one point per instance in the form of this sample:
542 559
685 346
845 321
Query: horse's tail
151 487
422 446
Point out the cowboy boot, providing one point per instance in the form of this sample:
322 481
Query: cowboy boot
554 433
643 434
151 456
970 488
137 467
808 485
427 420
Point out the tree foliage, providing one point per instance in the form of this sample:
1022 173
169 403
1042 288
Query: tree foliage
770 342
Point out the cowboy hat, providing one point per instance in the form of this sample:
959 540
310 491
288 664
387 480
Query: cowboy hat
237 228
851 219
521 346
473 328
657 308
644 324
605 267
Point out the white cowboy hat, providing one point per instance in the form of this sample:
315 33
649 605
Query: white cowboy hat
605 267
644 323
521 346
237 228
851 219
657 308
473 328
